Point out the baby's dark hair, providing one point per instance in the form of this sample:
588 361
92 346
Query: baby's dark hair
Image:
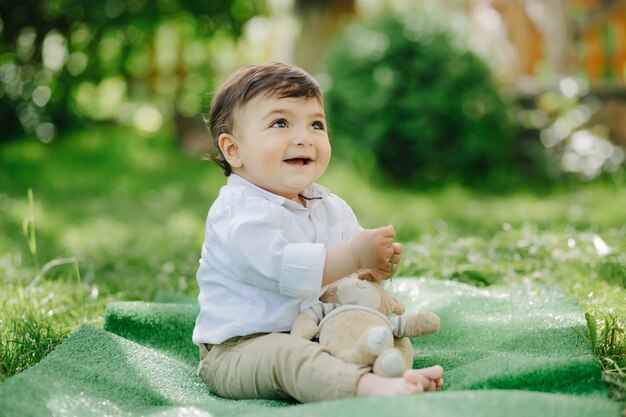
271 79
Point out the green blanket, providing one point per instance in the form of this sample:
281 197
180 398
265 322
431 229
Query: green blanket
510 351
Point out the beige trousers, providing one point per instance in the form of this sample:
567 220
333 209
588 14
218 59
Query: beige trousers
279 366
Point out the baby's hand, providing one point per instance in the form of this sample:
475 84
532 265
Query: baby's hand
388 271
373 248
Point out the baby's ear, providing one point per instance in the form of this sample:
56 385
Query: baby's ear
229 149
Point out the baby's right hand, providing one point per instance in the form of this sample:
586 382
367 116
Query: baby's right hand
373 248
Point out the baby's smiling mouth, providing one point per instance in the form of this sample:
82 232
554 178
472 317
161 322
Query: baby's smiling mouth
299 161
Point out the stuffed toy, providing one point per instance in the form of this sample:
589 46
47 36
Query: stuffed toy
360 322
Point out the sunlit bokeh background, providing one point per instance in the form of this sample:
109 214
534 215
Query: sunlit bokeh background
150 64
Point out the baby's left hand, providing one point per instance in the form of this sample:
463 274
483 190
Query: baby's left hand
391 267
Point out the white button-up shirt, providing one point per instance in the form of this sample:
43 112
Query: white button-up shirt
263 258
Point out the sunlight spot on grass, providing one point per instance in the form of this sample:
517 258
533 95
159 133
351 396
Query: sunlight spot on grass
181 412
184 223
25 152
601 247
82 405
90 238
148 160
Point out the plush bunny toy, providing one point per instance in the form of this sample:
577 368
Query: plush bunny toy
359 322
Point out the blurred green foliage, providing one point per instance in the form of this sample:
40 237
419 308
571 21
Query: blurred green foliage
428 109
133 61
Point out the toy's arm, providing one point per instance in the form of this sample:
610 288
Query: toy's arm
415 324
306 324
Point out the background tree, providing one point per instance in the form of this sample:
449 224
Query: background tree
65 62
426 109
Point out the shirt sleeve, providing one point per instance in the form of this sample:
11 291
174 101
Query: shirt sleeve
254 237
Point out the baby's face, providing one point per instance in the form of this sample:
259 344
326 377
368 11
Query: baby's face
281 144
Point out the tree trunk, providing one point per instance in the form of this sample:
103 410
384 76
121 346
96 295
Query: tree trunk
552 19
320 20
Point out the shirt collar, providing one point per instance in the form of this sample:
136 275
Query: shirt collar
312 193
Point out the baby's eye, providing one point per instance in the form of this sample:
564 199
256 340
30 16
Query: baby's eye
281 124
317 125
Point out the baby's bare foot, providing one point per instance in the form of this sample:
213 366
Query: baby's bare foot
431 379
412 382
375 385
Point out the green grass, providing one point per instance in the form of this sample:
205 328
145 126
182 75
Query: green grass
115 216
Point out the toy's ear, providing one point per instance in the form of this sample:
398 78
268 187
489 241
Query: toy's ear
330 295
366 275
391 304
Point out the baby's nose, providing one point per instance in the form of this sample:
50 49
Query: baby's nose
303 139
